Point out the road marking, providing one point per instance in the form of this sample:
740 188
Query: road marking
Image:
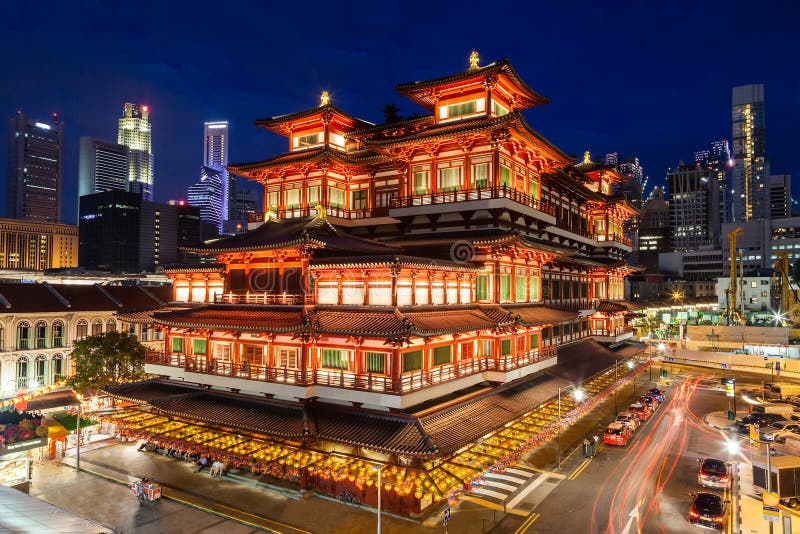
506 477
548 473
579 469
524 493
631 516
493 505
495 484
527 523
490 493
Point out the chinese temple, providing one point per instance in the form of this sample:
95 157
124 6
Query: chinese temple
404 278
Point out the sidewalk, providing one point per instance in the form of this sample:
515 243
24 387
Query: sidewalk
720 421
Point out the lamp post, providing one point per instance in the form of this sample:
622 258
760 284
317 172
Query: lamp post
733 449
78 429
380 488
578 396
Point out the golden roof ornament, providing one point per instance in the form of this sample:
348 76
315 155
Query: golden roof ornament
324 98
587 158
322 213
473 59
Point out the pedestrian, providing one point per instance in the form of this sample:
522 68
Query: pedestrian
202 463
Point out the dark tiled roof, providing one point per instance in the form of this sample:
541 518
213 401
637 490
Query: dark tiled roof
393 433
146 316
270 417
399 260
608 306
148 390
26 298
245 318
539 315
312 231
140 297
318 155
23 298
581 360
191 268
273 123
53 399
629 349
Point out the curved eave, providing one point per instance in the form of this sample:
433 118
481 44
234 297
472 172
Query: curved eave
287 244
213 421
388 264
237 328
314 155
279 123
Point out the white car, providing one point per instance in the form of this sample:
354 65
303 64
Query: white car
778 430
629 419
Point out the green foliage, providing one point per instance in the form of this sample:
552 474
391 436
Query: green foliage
391 114
70 422
104 359
648 324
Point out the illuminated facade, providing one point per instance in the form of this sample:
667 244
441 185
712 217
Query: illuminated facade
102 166
33 182
399 263
209 194
215 156
37 245
751 167
134 132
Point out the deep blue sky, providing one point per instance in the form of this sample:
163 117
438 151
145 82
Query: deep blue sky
650 79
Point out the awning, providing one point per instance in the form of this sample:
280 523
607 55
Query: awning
52 401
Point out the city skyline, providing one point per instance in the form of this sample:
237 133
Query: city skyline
654 116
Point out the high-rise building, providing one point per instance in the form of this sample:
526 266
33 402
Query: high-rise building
208 195
780 196
751 167
33 187
102 166
215 156
134 132
121 232
719 164
631 187
693 207
37 245
654 229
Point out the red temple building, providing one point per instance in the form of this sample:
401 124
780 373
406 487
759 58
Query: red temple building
404 278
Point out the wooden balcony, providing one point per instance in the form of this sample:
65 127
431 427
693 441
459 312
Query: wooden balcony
466 195
613 240
341 378
264 297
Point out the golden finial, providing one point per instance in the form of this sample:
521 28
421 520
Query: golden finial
587 158
473 59
324 98
321 212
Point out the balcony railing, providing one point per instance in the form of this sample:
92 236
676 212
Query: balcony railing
340 378
461 195
615 238
262 298
614 332
330 211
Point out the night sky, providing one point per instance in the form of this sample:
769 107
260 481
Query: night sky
647 79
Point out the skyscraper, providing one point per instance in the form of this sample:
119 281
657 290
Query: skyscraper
693 207
751 168
102 166
34 168
215 156
780 196
134 132
719 164
208 195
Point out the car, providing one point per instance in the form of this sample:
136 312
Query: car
761 419
776 431
617 434
708 511
657 393
713 473
641 411
628 418
650 402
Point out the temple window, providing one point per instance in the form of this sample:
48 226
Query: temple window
534 339
420 182
336 139
292 200
253 354
334 359
286 358
308 140
480 175
335 197
533 286
451 111
505 287
533 188
519 289
449 178
375 362
222 351
360 199
498 110
505 176
177 345
505 347
442 355
412 361
486 348
467 350
272 201
313 195
199 347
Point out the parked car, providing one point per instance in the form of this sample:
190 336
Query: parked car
657 393
628 418
650 402
713 473
708 510
761 419
777 431
641 410
617 434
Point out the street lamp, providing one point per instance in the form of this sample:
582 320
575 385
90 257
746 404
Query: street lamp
380 482
578 395
78 429
733 449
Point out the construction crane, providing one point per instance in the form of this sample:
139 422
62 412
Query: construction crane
731 313
790 305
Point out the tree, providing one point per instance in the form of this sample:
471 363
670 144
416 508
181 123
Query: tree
391 113
108 358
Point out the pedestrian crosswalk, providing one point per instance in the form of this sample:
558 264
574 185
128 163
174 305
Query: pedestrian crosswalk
502 489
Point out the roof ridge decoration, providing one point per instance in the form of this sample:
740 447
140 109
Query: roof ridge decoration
474 58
